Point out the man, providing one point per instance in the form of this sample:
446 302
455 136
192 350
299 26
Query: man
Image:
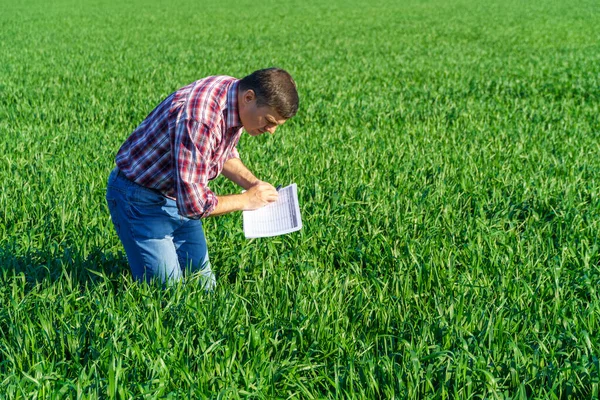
158 193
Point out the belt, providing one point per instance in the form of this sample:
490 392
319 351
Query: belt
122 175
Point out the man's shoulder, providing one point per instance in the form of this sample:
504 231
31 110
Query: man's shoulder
214 86
208 97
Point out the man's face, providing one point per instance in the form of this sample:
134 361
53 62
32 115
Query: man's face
257 120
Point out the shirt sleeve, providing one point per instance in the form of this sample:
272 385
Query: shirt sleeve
233 154
191 153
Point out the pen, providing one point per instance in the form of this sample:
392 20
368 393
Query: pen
278 187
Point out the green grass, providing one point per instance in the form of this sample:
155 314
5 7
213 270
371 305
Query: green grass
447 157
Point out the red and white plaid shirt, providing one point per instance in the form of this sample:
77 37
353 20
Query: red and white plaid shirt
184 143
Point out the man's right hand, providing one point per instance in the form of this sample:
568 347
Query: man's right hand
259 195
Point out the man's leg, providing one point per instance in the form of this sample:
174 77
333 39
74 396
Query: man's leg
145 223
192 251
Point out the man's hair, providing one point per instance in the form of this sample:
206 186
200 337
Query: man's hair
273 87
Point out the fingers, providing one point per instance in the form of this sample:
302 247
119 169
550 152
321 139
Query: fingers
271 197
260 195
268 193
266 185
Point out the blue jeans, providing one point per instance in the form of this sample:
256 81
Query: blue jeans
159 242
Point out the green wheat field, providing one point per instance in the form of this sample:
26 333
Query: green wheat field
447 157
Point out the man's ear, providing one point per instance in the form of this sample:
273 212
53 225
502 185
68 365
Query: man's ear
249 95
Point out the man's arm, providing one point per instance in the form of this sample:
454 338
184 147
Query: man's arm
236 171
256 196
190 158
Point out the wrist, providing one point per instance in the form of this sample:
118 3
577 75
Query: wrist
245 200
231 203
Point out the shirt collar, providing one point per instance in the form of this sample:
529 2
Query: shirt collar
233 116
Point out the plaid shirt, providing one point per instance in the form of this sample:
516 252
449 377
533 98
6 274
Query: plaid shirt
184 143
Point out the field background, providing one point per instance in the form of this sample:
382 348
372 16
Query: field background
448 163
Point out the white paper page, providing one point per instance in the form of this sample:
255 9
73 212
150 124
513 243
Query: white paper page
277 218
